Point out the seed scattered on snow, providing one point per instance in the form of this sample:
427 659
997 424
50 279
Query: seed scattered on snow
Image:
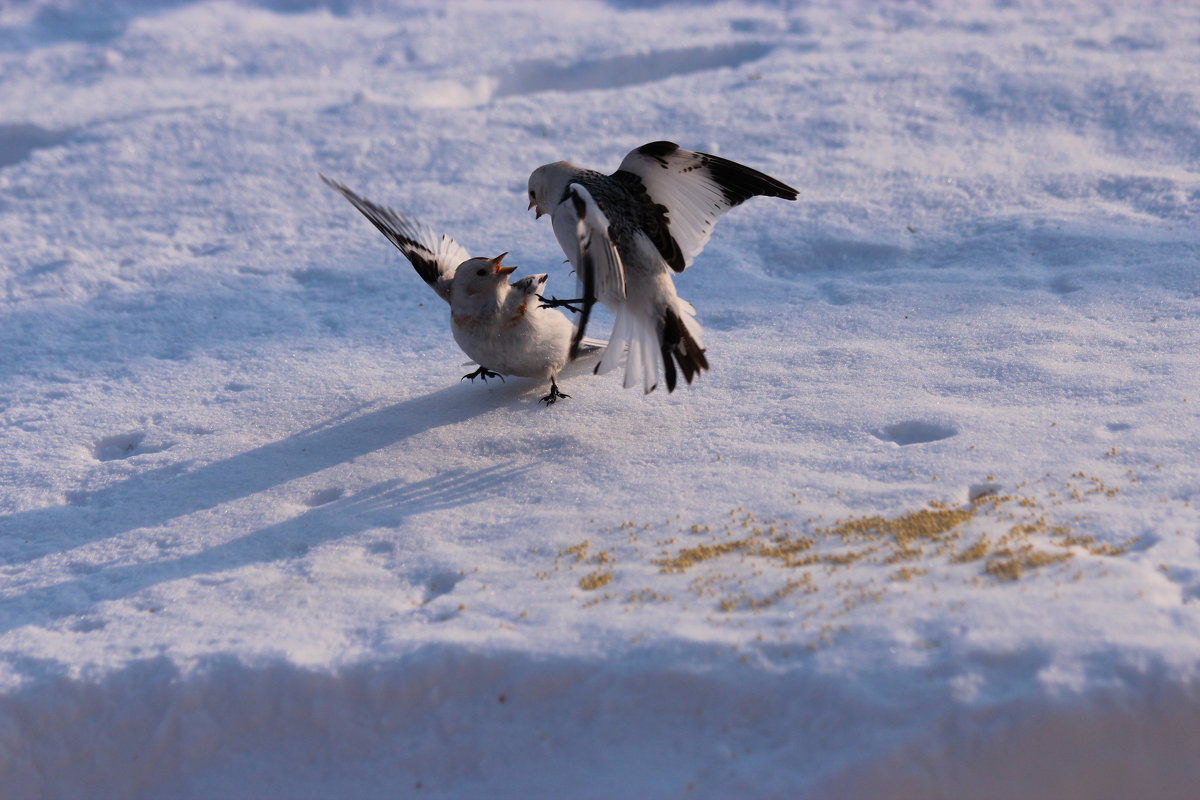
749 564
594 580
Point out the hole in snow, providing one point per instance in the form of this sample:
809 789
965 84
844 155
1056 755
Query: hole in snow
323 496
915 432
978 491
125 445
441 583
87 624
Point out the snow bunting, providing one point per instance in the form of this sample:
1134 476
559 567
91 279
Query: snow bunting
500 326
627 232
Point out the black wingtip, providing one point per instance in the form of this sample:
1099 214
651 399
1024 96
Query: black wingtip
739 183
573 353
584 314
332 184
589 293
384 220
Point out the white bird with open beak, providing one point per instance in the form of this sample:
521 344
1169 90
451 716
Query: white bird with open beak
500 326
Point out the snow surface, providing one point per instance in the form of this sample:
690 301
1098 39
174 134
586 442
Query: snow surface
258 541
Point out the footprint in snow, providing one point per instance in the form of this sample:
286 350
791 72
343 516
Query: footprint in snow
978 491
440 583
914 432
126 445
323 496
87 625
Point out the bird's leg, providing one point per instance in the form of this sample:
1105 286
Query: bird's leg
482 372
554 395
554 302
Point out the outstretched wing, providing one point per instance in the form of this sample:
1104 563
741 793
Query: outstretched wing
530 285
435 257
583 230
694 189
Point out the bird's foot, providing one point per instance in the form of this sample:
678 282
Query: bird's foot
554 395
482 372
554 302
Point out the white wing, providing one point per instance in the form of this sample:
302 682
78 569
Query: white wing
582 230
696 189
435 257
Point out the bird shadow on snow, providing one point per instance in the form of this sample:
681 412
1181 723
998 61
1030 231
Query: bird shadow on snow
161 495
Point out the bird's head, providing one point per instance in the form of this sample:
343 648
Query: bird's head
482 275
548 184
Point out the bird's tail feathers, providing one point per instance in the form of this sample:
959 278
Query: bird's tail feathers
646 339
680 343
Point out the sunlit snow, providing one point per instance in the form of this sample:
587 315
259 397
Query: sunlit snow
927 528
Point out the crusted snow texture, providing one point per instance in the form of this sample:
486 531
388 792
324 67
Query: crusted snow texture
926 528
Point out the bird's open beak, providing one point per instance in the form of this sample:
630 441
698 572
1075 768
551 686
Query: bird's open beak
533 204
499 269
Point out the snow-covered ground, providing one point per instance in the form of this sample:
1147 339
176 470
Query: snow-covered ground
926 530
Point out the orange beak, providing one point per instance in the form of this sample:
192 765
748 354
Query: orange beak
538 213
499 269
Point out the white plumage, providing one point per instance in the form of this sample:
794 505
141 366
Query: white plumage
502 327
625 233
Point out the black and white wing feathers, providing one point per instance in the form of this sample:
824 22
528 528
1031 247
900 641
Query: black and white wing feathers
434 256
582 224
597 262
530 285
694 190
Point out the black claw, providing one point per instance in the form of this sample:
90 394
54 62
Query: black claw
482 372
554 302
554 395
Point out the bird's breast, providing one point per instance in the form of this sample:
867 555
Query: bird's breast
518 315
467 321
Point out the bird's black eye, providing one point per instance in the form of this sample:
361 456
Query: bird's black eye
481 272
